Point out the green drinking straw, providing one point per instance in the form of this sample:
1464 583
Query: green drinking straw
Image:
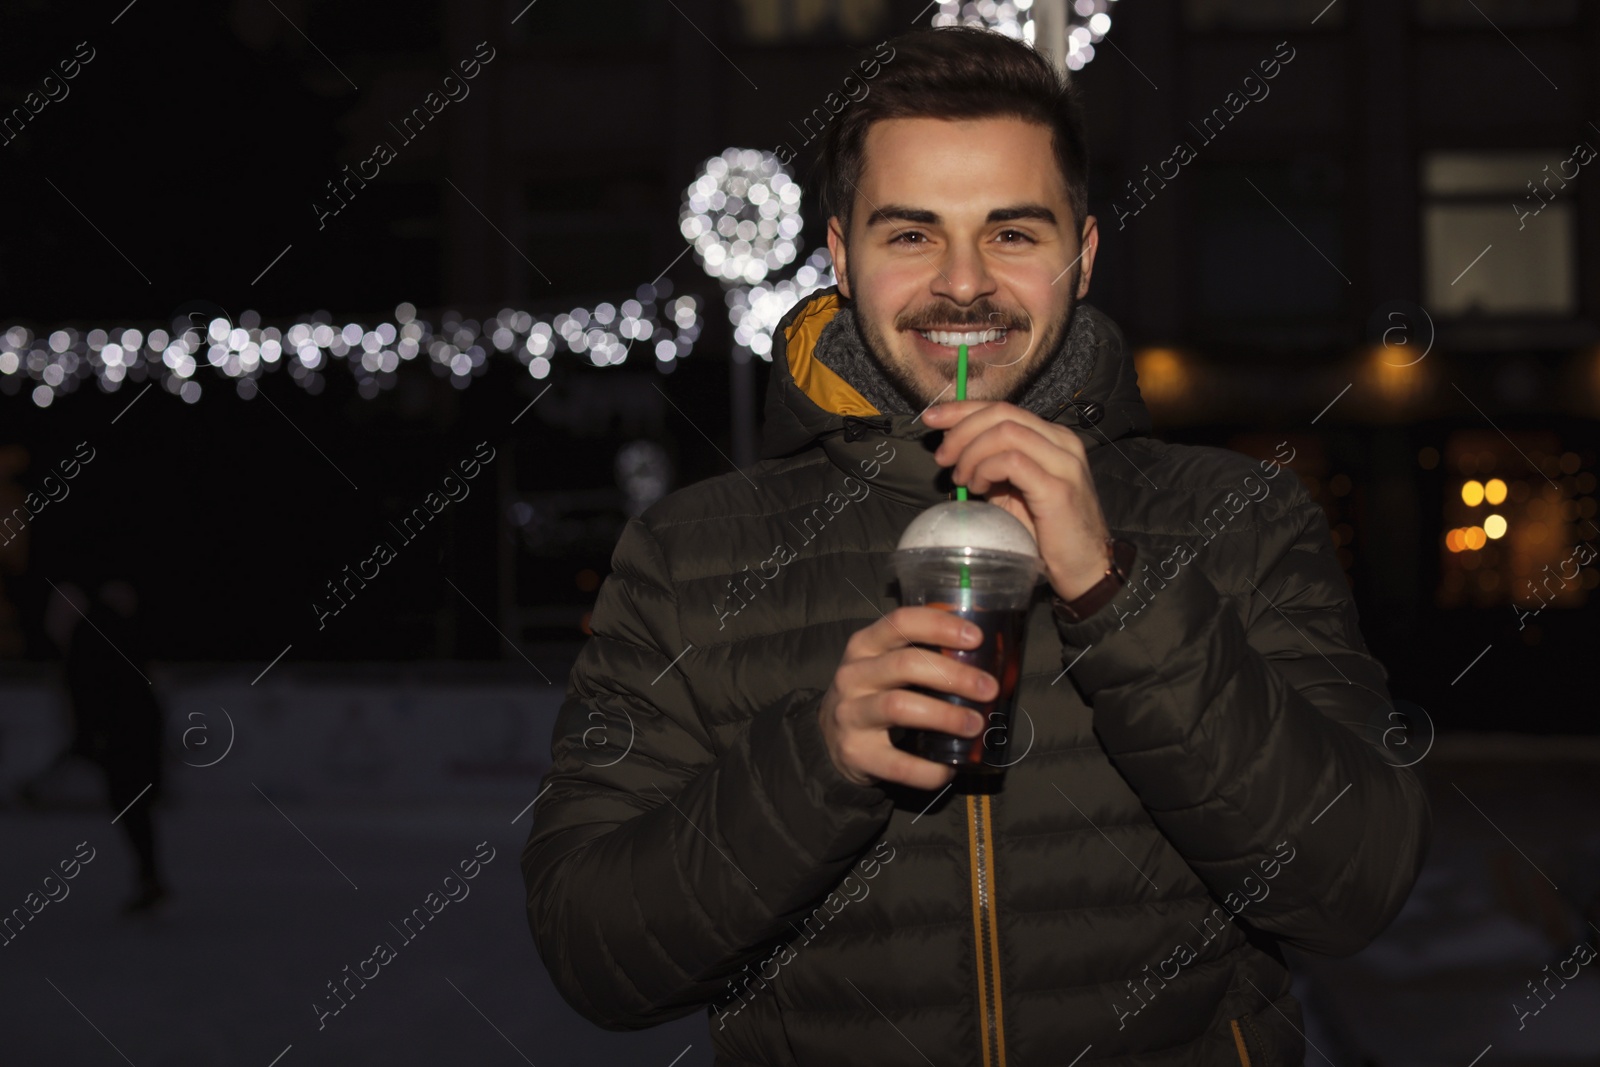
961 394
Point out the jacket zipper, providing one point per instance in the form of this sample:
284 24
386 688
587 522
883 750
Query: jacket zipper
980 839
1250 1051
1239 1044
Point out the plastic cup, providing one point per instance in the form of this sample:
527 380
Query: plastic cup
989 581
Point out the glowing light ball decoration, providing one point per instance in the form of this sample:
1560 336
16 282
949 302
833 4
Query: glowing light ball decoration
755 311
742 216
1087 22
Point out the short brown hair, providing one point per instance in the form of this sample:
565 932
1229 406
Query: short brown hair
956 72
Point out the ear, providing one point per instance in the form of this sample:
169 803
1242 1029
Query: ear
837 250
1090 244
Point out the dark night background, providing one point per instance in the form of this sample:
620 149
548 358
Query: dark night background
1257 290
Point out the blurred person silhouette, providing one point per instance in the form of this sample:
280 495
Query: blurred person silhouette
63 609
116 718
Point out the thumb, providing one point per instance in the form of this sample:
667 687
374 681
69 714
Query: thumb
1013 505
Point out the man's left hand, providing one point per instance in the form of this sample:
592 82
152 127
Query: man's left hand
1036 470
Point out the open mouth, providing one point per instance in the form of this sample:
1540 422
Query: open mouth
971 338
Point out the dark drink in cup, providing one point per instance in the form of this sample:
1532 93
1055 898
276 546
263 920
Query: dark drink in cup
978 561
999 654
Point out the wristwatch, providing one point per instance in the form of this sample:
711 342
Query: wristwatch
1099 594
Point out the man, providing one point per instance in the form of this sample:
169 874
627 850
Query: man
729 826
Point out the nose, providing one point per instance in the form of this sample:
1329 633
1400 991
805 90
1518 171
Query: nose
963 276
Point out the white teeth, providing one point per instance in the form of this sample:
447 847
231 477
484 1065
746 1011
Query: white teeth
951 339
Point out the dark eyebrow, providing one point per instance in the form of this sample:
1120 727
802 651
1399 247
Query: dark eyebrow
930 218
1023 211
900 211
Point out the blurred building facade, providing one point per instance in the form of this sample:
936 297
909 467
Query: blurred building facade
1365 229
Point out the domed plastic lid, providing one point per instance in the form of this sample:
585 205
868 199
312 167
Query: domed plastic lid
974 524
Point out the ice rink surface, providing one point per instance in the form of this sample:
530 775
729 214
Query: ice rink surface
233 968
337 814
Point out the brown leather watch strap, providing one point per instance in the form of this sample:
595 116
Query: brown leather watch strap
1100 593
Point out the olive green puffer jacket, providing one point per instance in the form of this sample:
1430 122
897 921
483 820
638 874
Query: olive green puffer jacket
1199 771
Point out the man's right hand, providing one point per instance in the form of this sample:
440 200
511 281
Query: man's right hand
866 696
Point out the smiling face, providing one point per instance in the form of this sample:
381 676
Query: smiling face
961 231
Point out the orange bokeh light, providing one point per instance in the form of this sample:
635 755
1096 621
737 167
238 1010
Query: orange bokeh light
1163 376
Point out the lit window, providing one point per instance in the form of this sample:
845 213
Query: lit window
1498 232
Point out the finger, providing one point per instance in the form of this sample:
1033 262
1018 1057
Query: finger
951 412
914 711
894 765
911 624
932 670
1048 498
1044 449
1057 438
915 666
964 422
961 419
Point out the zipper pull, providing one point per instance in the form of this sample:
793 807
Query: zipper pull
857 426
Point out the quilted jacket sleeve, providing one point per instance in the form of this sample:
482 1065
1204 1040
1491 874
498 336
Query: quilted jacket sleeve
657 866
1257 744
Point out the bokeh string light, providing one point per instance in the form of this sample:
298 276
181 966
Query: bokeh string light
1088 22
57 363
